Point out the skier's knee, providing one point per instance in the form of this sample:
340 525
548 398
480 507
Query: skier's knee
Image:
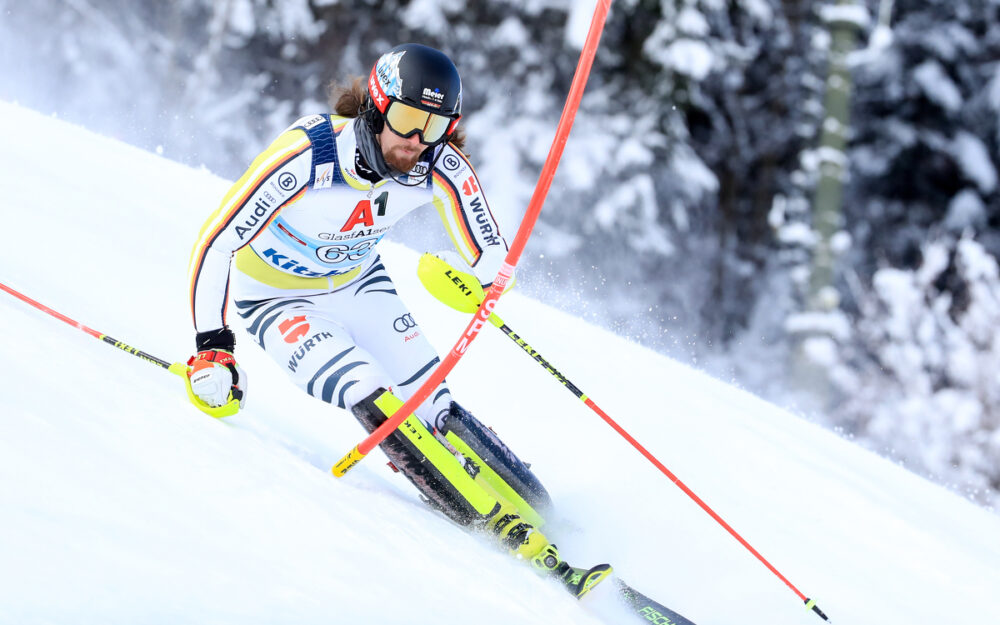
426 463
438 408
362 387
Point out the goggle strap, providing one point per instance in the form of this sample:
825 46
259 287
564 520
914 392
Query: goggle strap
376 93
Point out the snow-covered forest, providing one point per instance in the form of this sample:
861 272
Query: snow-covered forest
801 197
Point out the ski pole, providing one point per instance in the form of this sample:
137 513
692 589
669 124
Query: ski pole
177 368
463 293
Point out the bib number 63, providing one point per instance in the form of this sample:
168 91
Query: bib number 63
339 252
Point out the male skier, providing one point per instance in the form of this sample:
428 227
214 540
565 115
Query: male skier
302 224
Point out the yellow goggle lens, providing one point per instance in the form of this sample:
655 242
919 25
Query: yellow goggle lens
405 120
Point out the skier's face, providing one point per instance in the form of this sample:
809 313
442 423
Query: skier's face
400 153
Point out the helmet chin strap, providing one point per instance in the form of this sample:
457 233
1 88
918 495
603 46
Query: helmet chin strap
435 149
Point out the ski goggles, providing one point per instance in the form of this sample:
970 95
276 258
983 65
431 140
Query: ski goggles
406 120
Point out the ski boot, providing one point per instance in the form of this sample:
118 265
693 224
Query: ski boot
580 581
527 543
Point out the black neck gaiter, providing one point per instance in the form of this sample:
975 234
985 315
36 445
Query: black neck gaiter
371 164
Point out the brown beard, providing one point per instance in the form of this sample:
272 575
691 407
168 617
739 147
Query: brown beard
397 159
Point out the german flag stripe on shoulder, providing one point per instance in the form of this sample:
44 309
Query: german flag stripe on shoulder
472 169
457 215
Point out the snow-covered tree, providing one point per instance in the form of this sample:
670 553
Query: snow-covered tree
917 375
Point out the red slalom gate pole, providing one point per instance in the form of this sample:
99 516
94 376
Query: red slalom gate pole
513 255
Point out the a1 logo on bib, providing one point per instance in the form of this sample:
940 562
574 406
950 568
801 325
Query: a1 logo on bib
364 213
293 329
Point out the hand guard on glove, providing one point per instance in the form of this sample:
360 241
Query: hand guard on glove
457 263
216 378
217 384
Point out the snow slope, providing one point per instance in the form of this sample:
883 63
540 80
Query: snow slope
120 503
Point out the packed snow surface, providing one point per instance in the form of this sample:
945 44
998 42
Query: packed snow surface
121 503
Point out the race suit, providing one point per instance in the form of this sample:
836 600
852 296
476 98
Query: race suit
303 224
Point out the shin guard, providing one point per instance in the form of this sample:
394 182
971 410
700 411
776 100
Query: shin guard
497 464
424 461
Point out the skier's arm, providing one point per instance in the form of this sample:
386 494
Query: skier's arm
276 178
463 208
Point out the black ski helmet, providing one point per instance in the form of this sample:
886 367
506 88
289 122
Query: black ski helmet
419 76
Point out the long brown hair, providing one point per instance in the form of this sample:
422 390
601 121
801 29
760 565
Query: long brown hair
348 98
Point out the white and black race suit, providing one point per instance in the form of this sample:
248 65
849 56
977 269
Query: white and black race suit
303 227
